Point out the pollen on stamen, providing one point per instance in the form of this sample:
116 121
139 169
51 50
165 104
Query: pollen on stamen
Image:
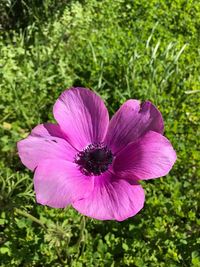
94 159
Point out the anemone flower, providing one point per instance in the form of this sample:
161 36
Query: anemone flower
93 164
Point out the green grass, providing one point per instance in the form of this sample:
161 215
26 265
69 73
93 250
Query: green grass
121 49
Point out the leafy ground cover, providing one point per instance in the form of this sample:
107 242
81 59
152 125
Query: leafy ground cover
121 49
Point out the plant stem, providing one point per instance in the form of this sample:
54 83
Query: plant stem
29 216
81 235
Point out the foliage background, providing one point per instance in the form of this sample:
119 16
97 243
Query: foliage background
122 49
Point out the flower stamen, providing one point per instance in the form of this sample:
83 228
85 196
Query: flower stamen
94 159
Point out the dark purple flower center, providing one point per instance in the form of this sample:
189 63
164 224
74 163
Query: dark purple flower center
94 159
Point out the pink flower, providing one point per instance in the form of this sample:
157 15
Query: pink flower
94 164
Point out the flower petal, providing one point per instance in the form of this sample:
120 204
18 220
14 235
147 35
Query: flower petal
48 129
44 142
111 199
58 182
152 156
131 121
82 115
